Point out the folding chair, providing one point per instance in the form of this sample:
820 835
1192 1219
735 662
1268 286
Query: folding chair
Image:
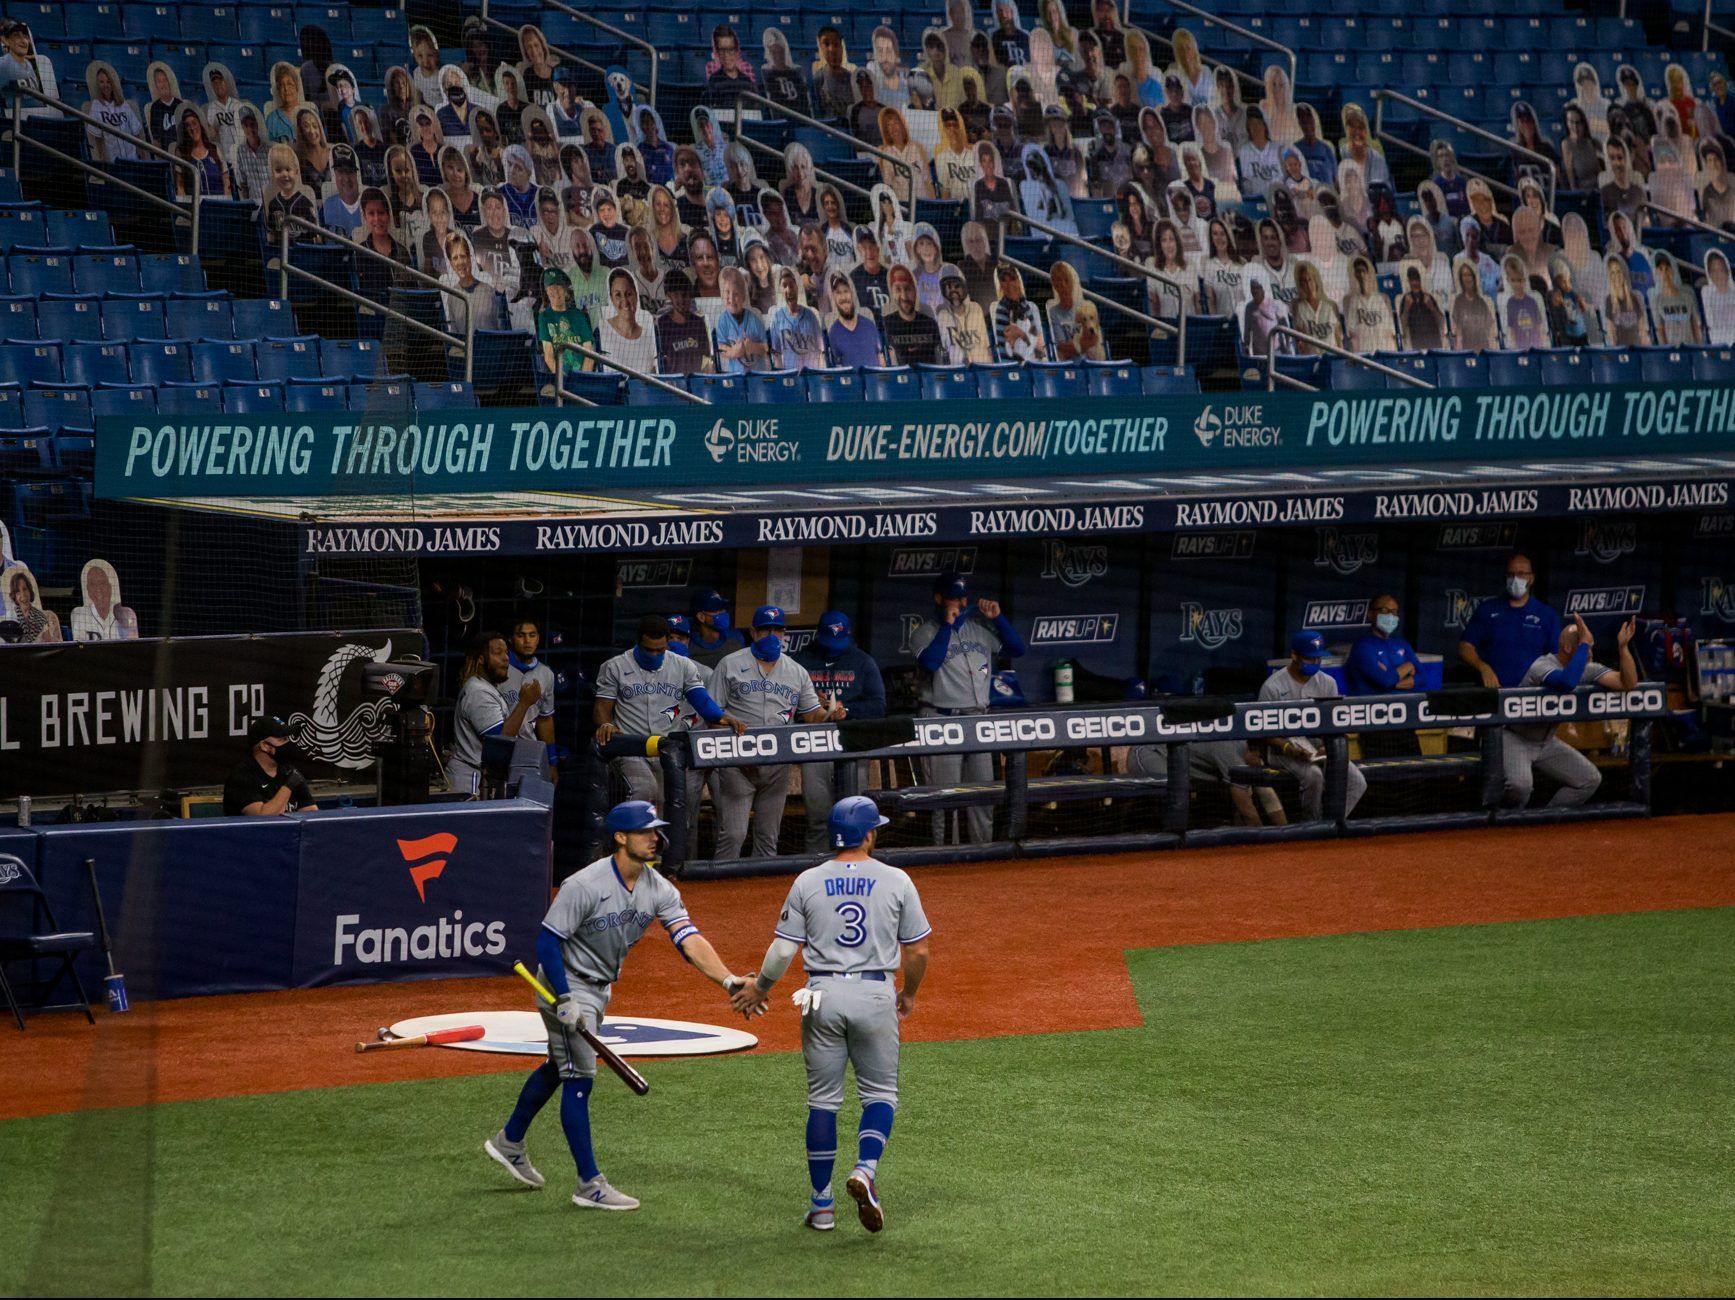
28 933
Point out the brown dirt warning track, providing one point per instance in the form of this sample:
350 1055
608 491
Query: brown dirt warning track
1061 924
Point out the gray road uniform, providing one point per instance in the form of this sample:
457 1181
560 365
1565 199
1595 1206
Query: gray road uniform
1533 747
961 685
598 919
771 698
543 675
1282 686
647 703
481 711
852 920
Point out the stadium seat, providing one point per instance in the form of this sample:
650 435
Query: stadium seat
595 387
188 399
453 395
77 319
128 402
34 274
30 363
1615 366
81 226
890 384
1057 380
1461 369
162 361
65 406
1114 380
96 363
1167 381
224 363
1664 365
18 319
720 390
26 451
134 318
940 383
841 384
110 273
22 229
996 382
264 318
1348 377
350 359
1512 369
252 399
11 406
776 387
201 318
1714 366
298 398
639 393
1563 367
75 452
284 359
171 273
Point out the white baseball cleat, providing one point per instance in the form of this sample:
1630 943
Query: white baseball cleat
598 1194
867 1200
513 1158
821 1216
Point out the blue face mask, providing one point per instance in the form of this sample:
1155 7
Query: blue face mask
1387 623
679 650
1310 666
722 622
649 662
768 647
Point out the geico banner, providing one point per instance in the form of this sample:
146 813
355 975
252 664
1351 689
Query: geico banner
1146 725
628 448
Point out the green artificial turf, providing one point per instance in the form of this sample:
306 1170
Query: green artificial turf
1537 1108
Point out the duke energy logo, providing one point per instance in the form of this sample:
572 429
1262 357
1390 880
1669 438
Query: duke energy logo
1207 427
1066 628
1719 599
1604 600
720 441
1237 426
1210 628
1460 607
1607 540
749 441
1344 552
1074 565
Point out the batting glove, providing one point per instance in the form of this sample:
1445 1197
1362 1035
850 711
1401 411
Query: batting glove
568 1011
806 1000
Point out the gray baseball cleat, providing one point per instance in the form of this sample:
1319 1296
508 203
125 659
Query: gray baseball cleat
867 1199
513 1158
821 1216
597 1194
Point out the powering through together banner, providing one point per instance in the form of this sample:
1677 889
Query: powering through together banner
647 448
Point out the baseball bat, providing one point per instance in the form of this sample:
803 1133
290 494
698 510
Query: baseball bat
462 1034
116 982
606 1054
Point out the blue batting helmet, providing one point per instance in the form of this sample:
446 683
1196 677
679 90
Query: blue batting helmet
633 815
1308 643
851 819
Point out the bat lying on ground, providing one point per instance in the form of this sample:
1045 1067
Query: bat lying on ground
604 1053
462 1034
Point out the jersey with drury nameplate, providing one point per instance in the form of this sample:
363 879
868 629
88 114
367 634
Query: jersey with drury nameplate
853 916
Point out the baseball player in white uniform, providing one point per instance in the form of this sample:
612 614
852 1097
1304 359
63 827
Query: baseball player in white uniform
525 666
598 915
763 687
856 921
1533 747
650 691
482 711
1303 757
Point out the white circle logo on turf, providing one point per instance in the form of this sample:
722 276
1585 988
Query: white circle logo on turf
523 1033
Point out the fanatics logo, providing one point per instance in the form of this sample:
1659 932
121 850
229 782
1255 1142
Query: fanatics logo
422 872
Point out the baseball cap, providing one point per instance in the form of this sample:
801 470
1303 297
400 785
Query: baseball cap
833 632
675 278
679 626
267 729
554 275
1308 643
709 602
952 587
768 616
343 159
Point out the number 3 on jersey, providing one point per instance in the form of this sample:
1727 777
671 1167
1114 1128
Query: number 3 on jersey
855 933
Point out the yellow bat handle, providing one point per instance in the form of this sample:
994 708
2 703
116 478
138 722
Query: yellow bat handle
518 968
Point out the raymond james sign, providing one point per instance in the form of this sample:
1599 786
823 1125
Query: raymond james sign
550 449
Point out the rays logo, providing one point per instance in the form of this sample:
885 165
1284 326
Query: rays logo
912 562
1065 628
1210 628
1605 600
1336 613
1460 607
1478 537
1344 552
1607 540
10 871
1208 425
349 742
421 872
1719 599
1714 526
720 441
908 624
1074 565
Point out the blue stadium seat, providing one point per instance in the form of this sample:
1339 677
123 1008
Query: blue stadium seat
1564 367
129 402
1113 379
264 318
1665 365
188 399
776 387
224 363
111 273
27 451
287 358
65 406
599 387
350 358
79 226
18 319
1348 377
22 229
30 363
939 383
839 384
1167 381
1615 366
1512 369
201 318
75 452
34 274
162 361
454 395
171 273
299 398
1058 380
639 393
1714 366
996 381
890 384
97 363
134 318
719 390
252 399
73 319
11 406
1095 217
1461 369
148 22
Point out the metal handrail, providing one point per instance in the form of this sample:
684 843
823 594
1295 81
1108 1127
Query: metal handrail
1681 218
858 146
628 37
1153 321
1273 377
195 190
1211 19
1428 110
1178 329
1705 46
562 397
468 342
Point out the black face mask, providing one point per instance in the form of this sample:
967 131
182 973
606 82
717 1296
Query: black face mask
289 754
456 94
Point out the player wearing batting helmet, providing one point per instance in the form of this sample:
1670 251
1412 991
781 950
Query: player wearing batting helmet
598 915
856 921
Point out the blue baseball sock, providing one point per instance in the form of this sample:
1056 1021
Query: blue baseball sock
575 1120
544 1080
821 1152
873 1134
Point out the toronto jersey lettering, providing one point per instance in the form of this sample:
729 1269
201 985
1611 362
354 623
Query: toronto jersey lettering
598 919
762 699
962 680
647 703
853 916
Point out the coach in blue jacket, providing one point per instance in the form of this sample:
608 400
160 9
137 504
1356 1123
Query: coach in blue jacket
846 678
1381 661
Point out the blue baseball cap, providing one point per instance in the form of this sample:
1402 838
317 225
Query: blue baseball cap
833 632
709 602
952 587
633 815
679 626
1308 643
768 616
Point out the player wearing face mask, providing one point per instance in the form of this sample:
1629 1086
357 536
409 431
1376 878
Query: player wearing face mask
1509 632
1303 757
713 635
1381 661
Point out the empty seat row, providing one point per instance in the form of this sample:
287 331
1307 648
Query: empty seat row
29 273
145 316
248 21
43 411
168 361
1542 367
30 225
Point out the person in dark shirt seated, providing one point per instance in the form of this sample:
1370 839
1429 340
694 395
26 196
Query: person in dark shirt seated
264 785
